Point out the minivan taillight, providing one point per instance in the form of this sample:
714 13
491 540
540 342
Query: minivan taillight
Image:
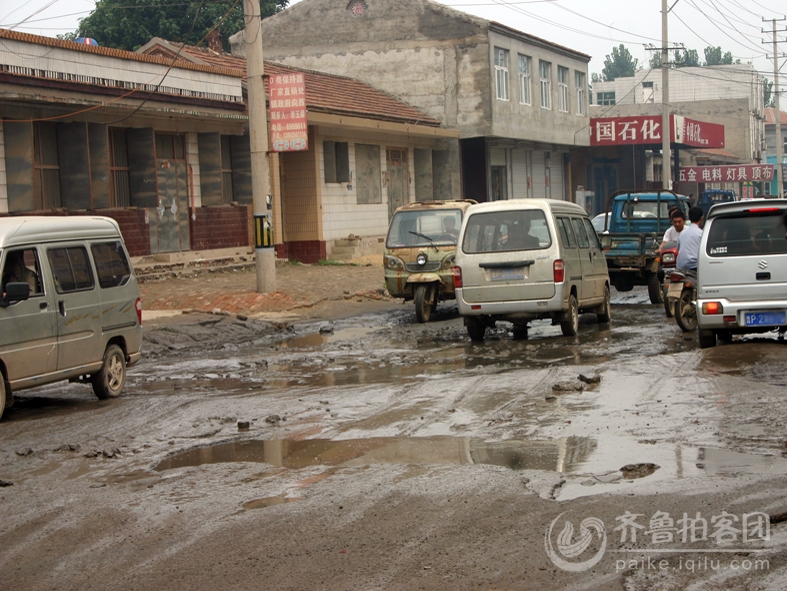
559 270
456 272
138 306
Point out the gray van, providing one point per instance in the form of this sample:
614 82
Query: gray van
524 259
69 307
742 270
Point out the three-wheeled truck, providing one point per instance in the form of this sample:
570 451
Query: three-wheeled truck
634 228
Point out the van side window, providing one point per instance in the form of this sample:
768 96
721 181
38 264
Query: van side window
71 269
111 264
581 233
592 236
565 228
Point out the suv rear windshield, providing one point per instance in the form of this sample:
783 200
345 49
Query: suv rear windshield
505 231
424 227
747 234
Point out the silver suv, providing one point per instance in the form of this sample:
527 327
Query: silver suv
742 270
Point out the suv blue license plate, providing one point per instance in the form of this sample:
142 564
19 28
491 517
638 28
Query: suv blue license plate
765 318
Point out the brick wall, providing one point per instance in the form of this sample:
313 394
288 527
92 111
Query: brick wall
222 226
133 227
304 251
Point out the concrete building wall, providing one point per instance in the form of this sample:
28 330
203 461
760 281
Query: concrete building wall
513 118
687 84
3 180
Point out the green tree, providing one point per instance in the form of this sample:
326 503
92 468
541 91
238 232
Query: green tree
655 60
688 58
619 64
768 91
714 57
128 24
596 77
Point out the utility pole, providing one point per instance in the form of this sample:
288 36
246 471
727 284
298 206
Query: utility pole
666 130
264 253
778 116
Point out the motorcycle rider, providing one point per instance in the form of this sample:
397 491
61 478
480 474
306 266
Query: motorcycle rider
689 241
678 219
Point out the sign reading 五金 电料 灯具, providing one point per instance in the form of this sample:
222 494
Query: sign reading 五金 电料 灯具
741 172
289 130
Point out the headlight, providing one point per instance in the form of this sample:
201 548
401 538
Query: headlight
393 263
668 257
606 241
421 259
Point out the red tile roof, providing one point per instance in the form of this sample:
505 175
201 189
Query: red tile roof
325 93
770 116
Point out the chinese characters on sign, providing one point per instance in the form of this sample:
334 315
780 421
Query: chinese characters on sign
289 130
711 174
646 129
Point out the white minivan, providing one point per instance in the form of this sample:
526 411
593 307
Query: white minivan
70 306
524 259
742 270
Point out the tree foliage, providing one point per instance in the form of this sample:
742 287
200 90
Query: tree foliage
714 56
687 58
768 91
619 64
129 24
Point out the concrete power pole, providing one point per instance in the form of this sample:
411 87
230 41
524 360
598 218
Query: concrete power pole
264 253
666 162
778 117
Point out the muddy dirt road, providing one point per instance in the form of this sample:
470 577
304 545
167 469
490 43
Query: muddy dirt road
383 454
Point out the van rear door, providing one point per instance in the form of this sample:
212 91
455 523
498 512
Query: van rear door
745 255
507 257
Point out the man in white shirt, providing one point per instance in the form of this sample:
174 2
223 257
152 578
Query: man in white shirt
678 220
689 241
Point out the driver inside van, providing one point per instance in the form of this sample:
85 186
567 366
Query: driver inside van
15 271
519 236
450 226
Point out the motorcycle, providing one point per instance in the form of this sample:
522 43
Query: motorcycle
682 293
669 254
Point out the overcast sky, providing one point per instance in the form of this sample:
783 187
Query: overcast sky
593 27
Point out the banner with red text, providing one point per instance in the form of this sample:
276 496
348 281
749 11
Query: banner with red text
288 131
646 129
726 174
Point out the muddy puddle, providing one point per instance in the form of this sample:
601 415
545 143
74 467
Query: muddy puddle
598 464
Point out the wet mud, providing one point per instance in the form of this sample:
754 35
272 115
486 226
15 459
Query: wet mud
390 445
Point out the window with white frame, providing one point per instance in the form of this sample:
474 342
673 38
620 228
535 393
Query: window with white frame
579 84
545 75
501 73
562 89
524 80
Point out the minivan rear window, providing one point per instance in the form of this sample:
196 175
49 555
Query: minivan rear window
111 264
506 231
747 234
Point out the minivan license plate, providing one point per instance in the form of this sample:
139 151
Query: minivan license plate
507 274
765 318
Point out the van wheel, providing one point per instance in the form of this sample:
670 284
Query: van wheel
423 307
707 338
2 395
520 333
570 327
108 382
655 293
476 331
604 312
